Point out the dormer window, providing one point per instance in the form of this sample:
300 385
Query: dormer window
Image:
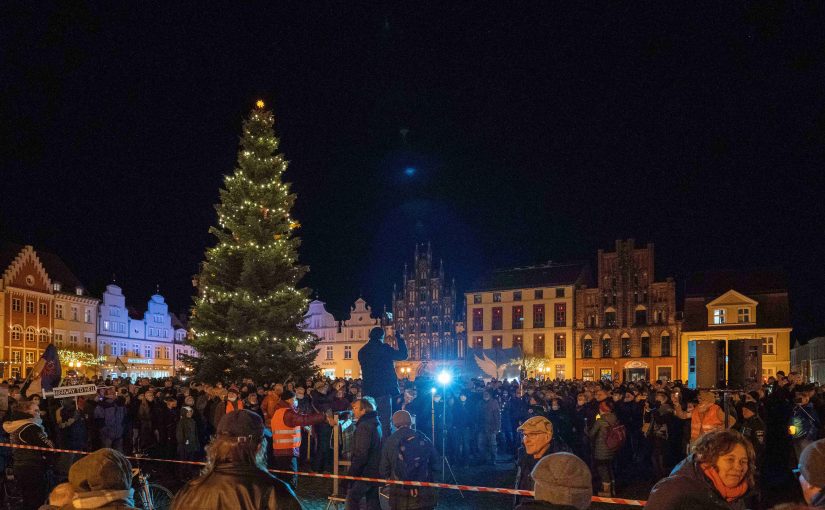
56 286
78 291
744 315
719 316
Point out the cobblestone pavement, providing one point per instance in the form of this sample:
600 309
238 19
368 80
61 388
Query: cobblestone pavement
314 491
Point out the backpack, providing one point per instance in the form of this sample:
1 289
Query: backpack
615 437
414 458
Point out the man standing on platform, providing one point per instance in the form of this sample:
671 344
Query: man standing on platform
378 370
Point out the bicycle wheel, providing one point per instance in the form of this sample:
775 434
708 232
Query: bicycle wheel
161 498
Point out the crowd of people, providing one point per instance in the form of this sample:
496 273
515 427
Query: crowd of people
702 449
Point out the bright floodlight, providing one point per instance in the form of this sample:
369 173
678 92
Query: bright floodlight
433 390
444 378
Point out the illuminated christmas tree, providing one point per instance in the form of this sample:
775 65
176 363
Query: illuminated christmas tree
249 307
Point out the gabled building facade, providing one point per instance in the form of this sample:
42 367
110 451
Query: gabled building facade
626 325
41 301
722 307
809 360
340 341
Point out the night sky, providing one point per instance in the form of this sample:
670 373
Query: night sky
535 134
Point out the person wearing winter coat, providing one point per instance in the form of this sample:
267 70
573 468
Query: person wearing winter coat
602 453
490 420
538 441
188 441
377 361
71 429
109 417
401 496
719 475
366 453
753 428
232 403
30 466
147 433
562 482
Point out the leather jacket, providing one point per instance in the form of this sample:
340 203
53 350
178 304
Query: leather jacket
238 487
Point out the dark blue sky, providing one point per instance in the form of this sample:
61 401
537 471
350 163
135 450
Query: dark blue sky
537 133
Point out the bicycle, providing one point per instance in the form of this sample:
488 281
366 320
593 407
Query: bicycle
149 496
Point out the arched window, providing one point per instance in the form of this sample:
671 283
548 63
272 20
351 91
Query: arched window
606 344
44 335
30 334
641 316
645 345
587 347
666 344
626 346
610 317
16 332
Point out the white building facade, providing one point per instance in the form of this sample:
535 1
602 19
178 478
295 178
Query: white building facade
139 345
340 341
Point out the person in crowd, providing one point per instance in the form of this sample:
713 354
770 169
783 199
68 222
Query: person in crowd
398 462
812 473
286 433
30 466
188 440
719 474
109 417
322 402
168 426
235 475
562 482
102 480
366 453
71 427
378 370
538 441
753 428
706 417
603 451
660 426
490 420
804 423
227 406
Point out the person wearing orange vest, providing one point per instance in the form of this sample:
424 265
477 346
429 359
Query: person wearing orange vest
270 402
708 416
286 426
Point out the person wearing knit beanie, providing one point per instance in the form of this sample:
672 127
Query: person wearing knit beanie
102 479
563 482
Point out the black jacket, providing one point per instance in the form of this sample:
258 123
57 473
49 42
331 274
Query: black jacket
687 488
24 430
377 368
399 495
366 448
236 487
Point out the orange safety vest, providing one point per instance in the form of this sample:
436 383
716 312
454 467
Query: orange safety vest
284 437
702 423
237 406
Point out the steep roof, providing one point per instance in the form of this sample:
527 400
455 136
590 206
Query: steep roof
548 275
57 270
753 281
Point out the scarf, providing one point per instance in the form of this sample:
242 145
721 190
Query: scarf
97 499
729 493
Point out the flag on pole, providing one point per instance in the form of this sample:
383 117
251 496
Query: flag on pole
119 364
45 375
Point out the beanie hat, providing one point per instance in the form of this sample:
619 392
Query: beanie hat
812 463
241 423
563 479
102 470
287 394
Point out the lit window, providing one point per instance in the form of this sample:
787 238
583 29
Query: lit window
16 332
347 352
330 352
496 297
30 335
744 315
588 374
476 299
44 336
29 357
768 345
719 316
15 356
587 348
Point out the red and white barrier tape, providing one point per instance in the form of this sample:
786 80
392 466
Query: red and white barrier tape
468 488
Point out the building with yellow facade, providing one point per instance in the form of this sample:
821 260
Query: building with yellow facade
529 309
340 341
42 301
725 311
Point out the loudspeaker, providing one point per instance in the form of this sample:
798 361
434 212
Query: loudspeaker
744 362
709 363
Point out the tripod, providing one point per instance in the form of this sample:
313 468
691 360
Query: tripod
445 463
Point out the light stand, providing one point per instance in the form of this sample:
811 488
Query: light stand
444 379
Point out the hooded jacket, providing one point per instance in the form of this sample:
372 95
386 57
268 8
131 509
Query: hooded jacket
23 429
687 488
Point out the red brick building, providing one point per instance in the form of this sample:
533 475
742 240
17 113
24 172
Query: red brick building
626 326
